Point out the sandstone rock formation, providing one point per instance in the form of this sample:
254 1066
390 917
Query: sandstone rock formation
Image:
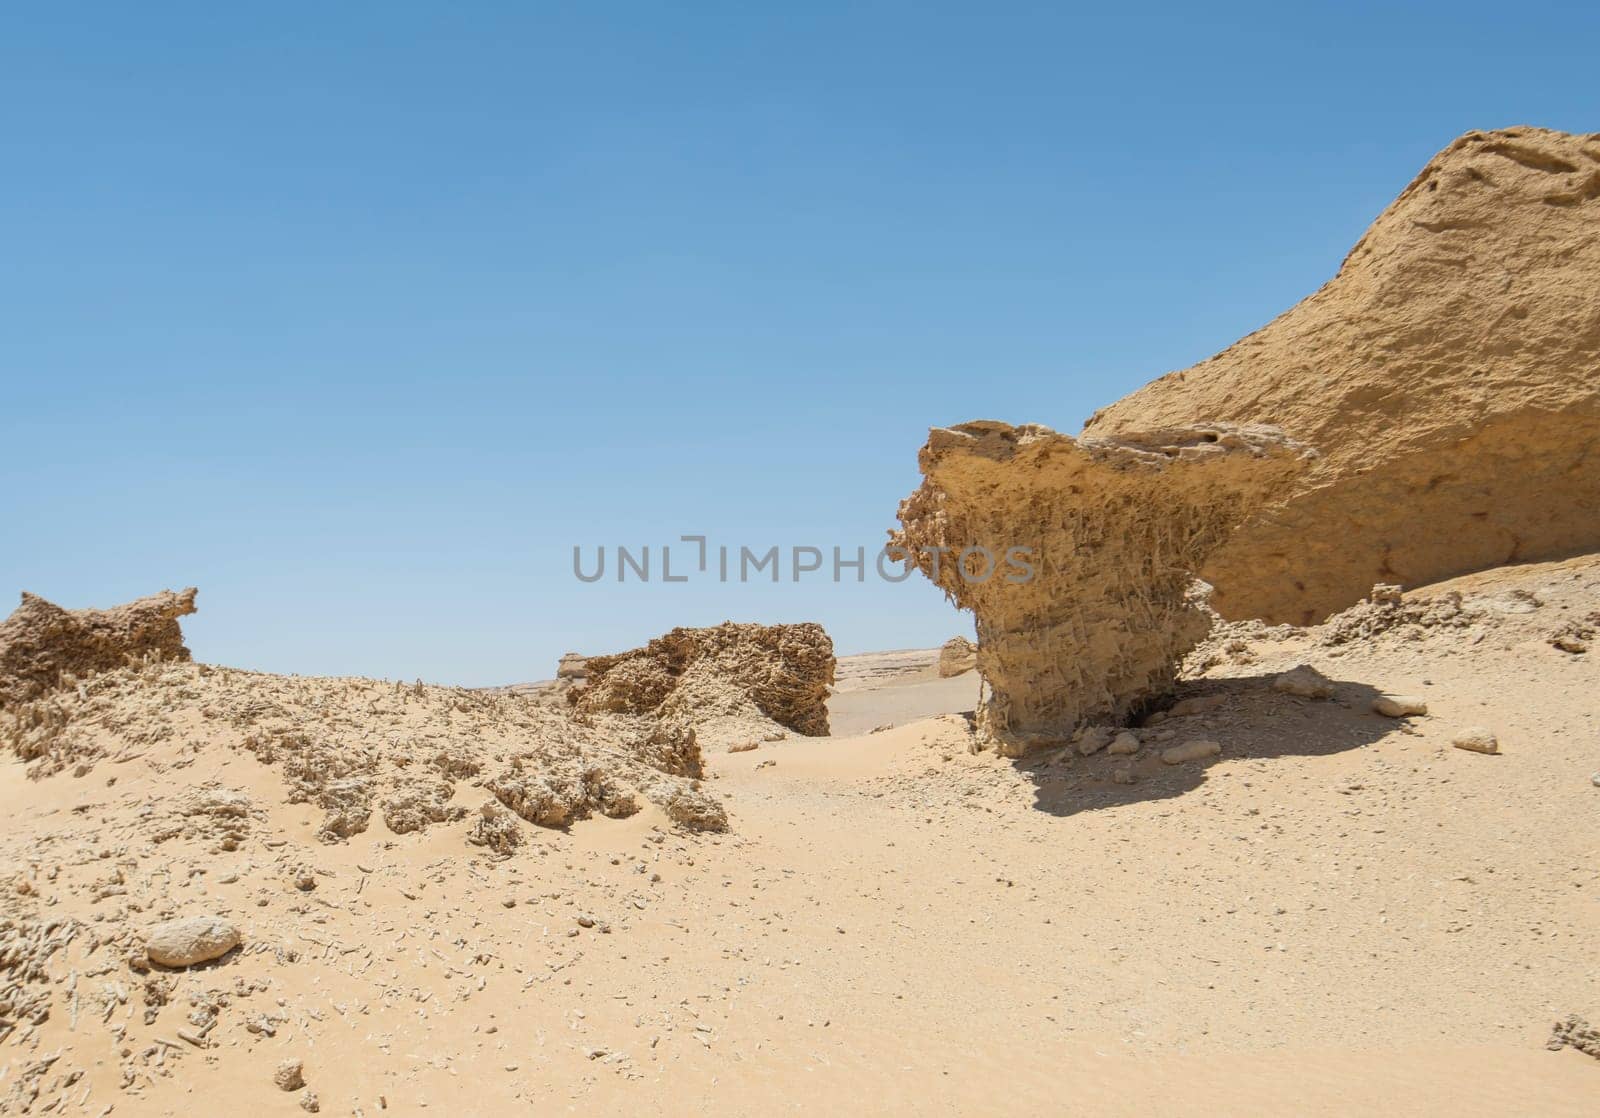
765 676
957 655
1115 529
1449 374
40 642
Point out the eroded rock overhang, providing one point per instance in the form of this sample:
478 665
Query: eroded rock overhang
1114 530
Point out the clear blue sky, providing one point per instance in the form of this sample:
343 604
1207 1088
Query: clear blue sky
360 316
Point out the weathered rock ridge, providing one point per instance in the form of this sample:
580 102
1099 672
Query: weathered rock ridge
733 679
1114 528
87 686
41 642
1449 374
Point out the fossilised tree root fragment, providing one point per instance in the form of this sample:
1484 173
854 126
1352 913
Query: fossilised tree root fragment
1116 527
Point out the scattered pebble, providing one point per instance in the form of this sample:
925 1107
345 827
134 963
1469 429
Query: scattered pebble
1399 706
290 1076
1476 739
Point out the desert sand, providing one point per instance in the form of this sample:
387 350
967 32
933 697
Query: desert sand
1339 910
1277 793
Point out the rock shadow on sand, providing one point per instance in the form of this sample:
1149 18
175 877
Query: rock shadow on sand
1250 721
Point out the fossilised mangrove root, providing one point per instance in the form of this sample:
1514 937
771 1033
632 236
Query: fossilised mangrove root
1116 529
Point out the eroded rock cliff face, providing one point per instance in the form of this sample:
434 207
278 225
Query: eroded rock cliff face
1449 374
41 642
1113 530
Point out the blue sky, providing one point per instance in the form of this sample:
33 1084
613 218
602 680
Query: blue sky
361 316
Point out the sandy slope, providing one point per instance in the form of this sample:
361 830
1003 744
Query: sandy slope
1342 912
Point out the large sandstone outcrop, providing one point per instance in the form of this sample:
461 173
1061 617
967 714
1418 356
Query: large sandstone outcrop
1114 529
40 642
751 673
1449 374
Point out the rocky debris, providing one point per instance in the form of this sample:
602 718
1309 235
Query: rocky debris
1386 610
43 646
1576 635
1476 739
956 656
190 940
555 767
215 812
1575 1032
1234 643
495 828
1305 682
216 802
415 806
731 682
689 807
1076 557
1399 706
310 1103
1456 412
26 947
348 803
558 796
289 1076
1092 739
1190 751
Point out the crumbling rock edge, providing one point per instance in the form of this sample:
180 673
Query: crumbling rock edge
42 645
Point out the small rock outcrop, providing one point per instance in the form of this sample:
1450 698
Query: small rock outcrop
776 673
1448 375
1113 531
573 668
40 642
1576 1033
956 656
